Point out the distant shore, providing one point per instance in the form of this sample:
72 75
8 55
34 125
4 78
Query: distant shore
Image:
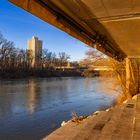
16 74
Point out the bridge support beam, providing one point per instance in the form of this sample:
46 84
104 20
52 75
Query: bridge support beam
132 76
128 77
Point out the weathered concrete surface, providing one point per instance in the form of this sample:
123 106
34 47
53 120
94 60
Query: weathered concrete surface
119 123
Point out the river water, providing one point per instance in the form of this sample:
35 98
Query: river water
30 109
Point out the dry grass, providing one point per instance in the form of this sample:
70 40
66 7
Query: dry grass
76 118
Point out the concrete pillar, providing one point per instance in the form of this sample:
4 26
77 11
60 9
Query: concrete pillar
128 78
138 79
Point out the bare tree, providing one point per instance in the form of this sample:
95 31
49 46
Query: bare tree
63 58
129 86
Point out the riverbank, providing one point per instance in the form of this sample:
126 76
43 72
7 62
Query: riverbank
118 123
21 73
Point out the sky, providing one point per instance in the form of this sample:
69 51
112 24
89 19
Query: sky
18 26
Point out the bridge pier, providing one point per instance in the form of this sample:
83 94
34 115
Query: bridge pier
128 77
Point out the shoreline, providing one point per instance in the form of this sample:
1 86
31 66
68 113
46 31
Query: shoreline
39 74
74 127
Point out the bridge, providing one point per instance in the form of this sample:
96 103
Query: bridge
111 26
101 68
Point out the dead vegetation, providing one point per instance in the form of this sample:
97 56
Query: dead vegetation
127 71
76 118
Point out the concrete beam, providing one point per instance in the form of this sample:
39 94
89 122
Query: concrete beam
65 23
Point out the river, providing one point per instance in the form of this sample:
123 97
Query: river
30 109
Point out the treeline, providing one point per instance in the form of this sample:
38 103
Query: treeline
16 62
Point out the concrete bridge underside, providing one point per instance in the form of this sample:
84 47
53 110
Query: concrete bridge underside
112 26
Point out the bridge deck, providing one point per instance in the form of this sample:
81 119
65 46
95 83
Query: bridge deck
119 123
112 26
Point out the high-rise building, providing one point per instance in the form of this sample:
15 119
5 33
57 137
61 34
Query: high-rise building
35 49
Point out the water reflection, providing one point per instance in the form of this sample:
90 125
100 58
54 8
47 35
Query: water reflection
5 105
33 95
32 108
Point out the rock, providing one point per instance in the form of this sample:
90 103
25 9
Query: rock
124 102
135 97
107 109
96 112
63 123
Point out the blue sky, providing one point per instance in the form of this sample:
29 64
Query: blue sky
18 25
